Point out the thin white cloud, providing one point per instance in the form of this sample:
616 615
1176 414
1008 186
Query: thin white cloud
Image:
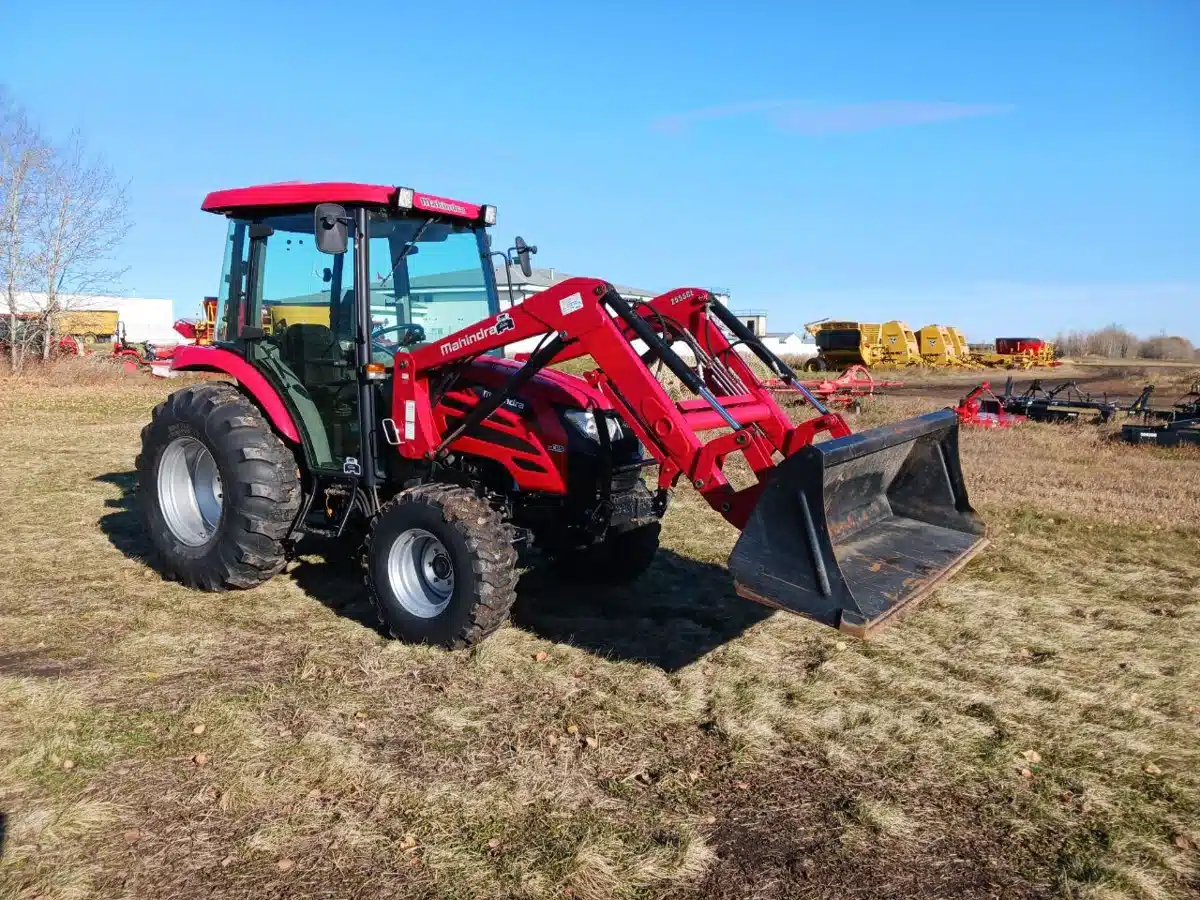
814 119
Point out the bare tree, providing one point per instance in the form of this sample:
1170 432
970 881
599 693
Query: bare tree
62 215
23 159
82 216
1111 342
1166 346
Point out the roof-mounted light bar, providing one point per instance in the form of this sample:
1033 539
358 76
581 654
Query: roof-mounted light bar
408 199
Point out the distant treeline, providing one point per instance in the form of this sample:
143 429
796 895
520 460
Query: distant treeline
1116 342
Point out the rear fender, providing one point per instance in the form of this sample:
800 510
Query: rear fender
214 359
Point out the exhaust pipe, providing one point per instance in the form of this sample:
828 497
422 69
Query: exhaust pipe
852 531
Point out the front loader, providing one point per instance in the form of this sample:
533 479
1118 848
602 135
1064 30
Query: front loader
387 411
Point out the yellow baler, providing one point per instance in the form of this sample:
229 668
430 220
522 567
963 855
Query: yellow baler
844 344
943 346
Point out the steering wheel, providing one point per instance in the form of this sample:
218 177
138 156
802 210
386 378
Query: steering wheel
413 334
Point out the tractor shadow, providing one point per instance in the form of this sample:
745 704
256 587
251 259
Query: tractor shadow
328 570
678 611
123 526
333 579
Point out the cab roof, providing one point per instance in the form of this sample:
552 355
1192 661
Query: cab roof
306 193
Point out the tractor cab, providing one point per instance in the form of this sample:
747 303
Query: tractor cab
310 294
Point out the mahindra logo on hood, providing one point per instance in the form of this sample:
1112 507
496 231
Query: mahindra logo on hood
503 323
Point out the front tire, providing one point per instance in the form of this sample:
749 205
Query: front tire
219 490
441 566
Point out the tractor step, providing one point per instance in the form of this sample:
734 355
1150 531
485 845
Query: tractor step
853 530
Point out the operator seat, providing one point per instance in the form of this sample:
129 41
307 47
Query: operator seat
313 353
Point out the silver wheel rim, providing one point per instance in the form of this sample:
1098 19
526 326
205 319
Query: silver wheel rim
189 491
420 573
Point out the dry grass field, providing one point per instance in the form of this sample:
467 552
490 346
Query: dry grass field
1031 730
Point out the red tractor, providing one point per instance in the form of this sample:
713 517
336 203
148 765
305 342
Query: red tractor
379 404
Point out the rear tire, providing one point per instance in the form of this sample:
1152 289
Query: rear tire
219 490
441 566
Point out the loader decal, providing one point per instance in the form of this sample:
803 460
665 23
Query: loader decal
504 322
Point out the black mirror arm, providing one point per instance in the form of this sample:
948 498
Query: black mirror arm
504 255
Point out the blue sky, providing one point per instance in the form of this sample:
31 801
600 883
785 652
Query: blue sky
1007 167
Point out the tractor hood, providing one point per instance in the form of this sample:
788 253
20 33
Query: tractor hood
549 385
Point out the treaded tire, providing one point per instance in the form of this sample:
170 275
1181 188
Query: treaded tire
481 550
623 556
260 483
815 364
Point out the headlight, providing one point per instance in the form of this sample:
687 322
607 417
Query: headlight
584 421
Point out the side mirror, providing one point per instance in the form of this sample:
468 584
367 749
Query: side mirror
331 227
524 251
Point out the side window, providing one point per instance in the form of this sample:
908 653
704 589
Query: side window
300 285
233 281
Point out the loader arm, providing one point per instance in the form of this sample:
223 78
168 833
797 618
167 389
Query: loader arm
848 531
587 317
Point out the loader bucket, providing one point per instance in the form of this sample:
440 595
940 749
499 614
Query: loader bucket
851 531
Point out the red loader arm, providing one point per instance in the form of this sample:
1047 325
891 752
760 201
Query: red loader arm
574 318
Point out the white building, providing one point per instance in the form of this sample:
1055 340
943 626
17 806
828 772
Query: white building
783 343
144 318
539 279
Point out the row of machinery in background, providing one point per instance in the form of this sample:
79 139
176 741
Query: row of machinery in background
844 344
85 332
72 331
1180 422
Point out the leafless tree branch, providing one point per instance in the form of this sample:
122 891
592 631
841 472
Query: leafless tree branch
63 213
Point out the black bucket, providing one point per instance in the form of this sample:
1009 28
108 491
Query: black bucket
851 531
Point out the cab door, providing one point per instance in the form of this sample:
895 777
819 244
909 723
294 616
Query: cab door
290 311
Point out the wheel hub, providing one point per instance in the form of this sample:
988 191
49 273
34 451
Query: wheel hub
190 493
420 573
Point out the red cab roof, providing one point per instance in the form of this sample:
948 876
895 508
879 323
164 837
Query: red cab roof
303 193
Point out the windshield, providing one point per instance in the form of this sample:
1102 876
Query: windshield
427 273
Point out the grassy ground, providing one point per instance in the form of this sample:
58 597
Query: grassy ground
1033 729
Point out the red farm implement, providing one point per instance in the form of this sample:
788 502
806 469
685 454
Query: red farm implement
983 409
845 391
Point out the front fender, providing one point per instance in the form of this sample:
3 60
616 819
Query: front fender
214 359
